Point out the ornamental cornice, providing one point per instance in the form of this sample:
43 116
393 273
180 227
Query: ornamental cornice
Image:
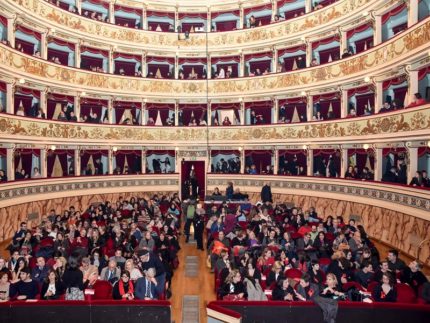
51 16
401 50
400 125
378 194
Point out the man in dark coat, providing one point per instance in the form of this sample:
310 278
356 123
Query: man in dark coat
266 193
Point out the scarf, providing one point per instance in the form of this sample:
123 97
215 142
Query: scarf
121 288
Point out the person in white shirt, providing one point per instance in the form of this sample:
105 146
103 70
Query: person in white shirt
36 173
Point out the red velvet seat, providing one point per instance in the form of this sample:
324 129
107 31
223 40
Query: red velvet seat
371 286
405 294
324 261
102 290
347 286
293 273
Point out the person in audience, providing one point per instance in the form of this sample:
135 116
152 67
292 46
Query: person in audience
233 288
385 291
73 280
4 285
417 180
151 260
252 22
364 275
413 276
417 101
276 274
134 272
89 271
395 264
386 107
124 288
283 291
25 288
111 272
40 272
146 287
51 287
21 265
306 290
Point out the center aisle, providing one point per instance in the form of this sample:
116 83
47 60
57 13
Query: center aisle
202 286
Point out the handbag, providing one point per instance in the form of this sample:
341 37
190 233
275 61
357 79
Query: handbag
74 294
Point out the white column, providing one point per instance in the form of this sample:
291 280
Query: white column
310 162
110 62
242 113
110 111
10 164
308 6
377 35
77 55
143 162
209 67
43 45
343 162
412 12
176 113
143 64
343 41
242 161
110 161
242 65
378 164
11 33
344 104
276 163
413 83
274 60
78 5
209 20
77 107
43 162
412 162
276 110
241 17
176 66
142 113
379 96
209 121
77 160
308 53
10 98
143 19
111 13
274 9
309 107
176 19
43 104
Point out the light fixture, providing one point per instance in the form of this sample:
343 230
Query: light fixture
53 30
240 148
83 93
240 99
53 147
303 93
114 149
366 146
177 148
428 143
145 100
365 13
367 79
303 38
305 147
21 81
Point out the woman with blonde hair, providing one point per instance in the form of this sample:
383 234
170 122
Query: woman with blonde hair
233 288
328 298
135 273
276 274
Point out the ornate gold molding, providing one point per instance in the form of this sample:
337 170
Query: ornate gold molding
413 123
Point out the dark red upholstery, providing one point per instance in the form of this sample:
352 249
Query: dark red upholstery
102 290
405 294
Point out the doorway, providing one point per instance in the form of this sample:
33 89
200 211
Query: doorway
190 187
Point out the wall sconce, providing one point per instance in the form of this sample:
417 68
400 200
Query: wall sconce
114 149
428 144
303 93
366 146
21 81
305 147
83 93
177 148
367 79
240 148
53 147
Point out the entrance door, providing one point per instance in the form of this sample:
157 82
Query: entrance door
199 181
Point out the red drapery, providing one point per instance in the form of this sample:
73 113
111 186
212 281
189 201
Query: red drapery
290 14
267 55
164 70
363 44
189 110
126 22
363 100
63 157
266 6
62 56
234 68
96 154
3 152
422 151
215 153
99 3
52 101
226 25
263 108
358 29
422 73
330 54
27 91
136 57
29 32
215 15
93 50
160 14
133 158
3 87
159 60
361 156
129 68
153 25
28 48
325 100
170 153
96 105
218 60
26 156
393 12
283 51
193 15
136 11
400 94
120 107
394 81
291 104
26 101
400 28
394 151
88 62
325 41
289 154
260 158
3 21
61 42
289 62
159 108
226 106
324 154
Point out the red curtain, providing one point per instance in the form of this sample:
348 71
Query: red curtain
26 156
290 14
358 29
263 108
162 109
400 28
188 69
133 158
3 21
63 157
363 44
325 100
394 81
61 42
121 106
87 62
289 154
62 56
3 152
226 25
135 57
96 154
261 65
363 100
393 12
29 32
361 158
129 68
121 21
289 62
163 25
28 48
234 68
198 110
219 13
52 101
26 102
164 70
160 14
99 3
422 73
215 153
422 151
136 11
187 26
93 50
266 6
324 41
193 15
290 105
2 87
324 154
400 94
200 170
326 54
220 60
260 158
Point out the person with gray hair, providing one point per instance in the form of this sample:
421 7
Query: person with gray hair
111 272
146 287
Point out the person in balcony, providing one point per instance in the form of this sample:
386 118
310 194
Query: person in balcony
36 173
19 47
20 112
386 107
226 121
314 62
221 74
350 174
385 291
346 53
413 276
418 100
40 114
317 117
368 110
366 174
417 180
252 22
3 177
352 113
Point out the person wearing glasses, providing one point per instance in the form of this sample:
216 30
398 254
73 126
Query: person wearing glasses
124 288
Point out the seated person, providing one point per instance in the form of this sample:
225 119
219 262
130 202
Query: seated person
40 272
385 290
111 272
146 287
25 288
413 276
51 287
124 288
418 100
283 291
364 275
306 290
233 287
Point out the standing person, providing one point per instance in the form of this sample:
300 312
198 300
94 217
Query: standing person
193 183
266 193
190 214
150 260
199 227
73 280
229 191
